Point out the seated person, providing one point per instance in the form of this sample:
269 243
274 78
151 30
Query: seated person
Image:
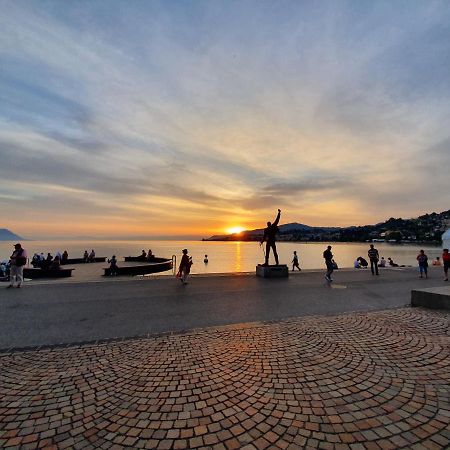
143 255
92 256
3 269
437 261
335 266
56 263
356 264
48 262
36 261
392 263
150 255
363 262
86 256
65 256
382 262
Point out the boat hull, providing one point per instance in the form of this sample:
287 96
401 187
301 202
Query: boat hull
29 272
81 260
161 265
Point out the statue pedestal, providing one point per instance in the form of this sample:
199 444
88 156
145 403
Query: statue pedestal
280 271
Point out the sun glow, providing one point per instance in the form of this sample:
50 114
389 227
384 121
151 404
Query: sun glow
234 230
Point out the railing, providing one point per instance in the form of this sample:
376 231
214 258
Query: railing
174 264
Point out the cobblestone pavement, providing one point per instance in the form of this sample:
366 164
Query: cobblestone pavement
378 380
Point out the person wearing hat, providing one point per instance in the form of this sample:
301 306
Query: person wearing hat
185 267
17 260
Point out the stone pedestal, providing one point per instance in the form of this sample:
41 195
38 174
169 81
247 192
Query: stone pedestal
280 271
433 298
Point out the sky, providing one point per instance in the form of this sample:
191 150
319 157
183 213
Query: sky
186 118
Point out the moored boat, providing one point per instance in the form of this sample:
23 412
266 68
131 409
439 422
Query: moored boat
82 260
29 272
141 259
156 265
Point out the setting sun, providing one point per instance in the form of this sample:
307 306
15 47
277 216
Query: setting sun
234 230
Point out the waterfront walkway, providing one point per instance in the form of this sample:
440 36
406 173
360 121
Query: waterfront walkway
43 313
332 380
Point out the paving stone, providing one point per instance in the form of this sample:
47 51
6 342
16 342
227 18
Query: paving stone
376 380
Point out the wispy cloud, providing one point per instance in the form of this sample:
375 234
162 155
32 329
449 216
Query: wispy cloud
199 113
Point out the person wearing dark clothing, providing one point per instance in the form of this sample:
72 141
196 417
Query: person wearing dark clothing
328 256
56 263
17 261
185 267
65 256
423 263
113 266
295 262
363 262
270 238
373 258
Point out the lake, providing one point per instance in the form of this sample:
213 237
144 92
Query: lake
226 257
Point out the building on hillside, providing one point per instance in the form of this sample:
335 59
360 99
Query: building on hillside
446 239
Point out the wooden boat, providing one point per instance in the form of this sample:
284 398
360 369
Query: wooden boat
155 266
141 259
29 272
81 260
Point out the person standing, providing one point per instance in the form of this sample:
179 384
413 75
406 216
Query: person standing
423 263
446 262
373 258
295 262
113 266
328 256
17 260
185 267
270 238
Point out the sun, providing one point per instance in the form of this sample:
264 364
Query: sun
235 230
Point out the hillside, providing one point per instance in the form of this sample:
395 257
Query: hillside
426 228
6 235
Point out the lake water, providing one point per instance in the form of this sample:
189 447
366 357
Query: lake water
226 257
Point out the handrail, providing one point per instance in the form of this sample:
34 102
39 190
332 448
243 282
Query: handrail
174 264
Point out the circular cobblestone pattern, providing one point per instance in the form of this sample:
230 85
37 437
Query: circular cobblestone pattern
361 381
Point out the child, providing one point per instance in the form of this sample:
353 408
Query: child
295 262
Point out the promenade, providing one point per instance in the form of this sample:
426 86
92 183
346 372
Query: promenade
225 362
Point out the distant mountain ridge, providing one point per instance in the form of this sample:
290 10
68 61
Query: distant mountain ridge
425 228
6 235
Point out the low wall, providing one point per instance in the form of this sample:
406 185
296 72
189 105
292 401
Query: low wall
433 298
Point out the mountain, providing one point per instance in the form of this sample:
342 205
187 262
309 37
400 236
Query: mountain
6 235
425 228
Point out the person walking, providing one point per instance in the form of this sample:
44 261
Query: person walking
185 267
423 263
373 258
17 260
328 256
270 238
295 262
446 262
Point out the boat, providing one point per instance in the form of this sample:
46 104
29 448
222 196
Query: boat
140 258
82 261
155 266
29 272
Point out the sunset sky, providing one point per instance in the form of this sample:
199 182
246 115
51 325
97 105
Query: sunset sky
122 118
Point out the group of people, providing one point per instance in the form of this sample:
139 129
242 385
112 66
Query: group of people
49 262
89 257
19 257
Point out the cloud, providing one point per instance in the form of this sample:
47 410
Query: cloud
223 109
